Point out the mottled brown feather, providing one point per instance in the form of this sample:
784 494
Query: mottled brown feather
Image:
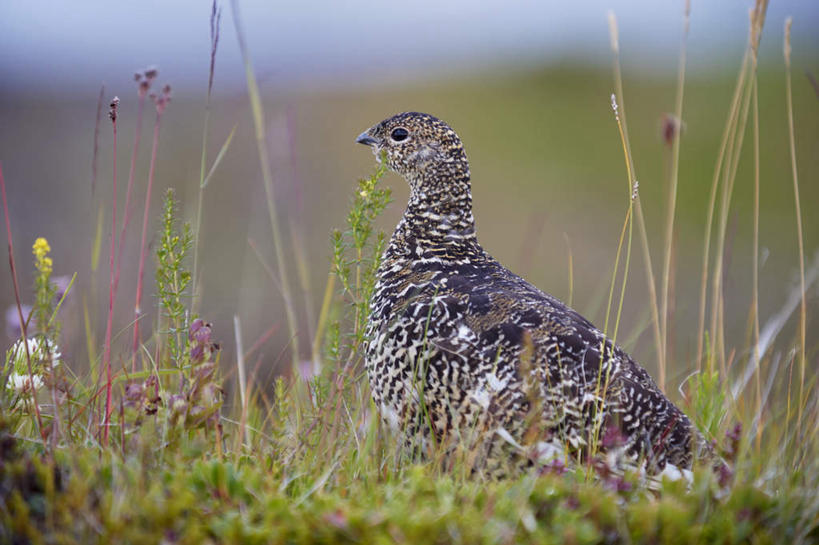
463 353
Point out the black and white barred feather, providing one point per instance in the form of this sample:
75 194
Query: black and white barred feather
464 353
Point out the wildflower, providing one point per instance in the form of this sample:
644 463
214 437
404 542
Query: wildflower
45 289
41 353
199 336
42 261
41 247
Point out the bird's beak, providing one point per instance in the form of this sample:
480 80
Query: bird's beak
366 139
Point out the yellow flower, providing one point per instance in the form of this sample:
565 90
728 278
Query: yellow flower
43 263
41 247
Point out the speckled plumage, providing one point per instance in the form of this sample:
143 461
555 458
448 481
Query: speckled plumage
463 353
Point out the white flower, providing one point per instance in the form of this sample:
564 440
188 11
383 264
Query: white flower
23 383
40 352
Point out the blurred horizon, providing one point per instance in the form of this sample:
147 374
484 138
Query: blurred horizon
63 48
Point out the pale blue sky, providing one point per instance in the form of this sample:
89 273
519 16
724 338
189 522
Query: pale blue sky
71 46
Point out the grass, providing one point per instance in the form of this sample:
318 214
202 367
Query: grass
146 450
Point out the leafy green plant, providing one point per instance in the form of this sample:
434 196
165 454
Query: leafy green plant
173 280
357 255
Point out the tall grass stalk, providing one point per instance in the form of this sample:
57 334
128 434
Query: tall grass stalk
800 235
324 313
736 141
635 200
267 176
712 199
756 356
717 283
723 157
106 357
734 153
90 332
215 19
240 367
126 213
23 326
672 199
160 109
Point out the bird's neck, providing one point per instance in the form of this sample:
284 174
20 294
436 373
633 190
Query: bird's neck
439 211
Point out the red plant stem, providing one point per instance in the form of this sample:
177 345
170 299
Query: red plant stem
127 210
106 358
19 306
137 308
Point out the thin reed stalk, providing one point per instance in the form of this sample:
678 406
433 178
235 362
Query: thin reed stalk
23 326
267 176
240 366
672 199
757 20
618 83
126 212
723 157
717 330
106 358
757 357
161 103
324 313
628 225
215 19
799 233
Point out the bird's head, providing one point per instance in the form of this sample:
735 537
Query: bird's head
418 147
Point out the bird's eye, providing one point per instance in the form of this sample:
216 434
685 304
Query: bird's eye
399 134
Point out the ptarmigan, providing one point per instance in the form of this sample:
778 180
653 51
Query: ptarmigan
465 356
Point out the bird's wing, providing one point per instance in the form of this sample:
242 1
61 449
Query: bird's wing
500 319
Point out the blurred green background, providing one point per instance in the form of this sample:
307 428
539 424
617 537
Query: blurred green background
548 180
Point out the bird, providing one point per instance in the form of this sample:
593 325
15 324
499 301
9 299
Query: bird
468 359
